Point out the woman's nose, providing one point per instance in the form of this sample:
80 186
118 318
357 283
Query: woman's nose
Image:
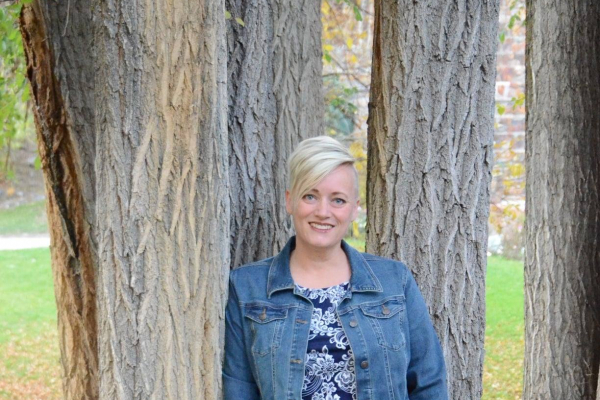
322 208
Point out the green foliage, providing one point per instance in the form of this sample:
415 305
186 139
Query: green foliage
340 109
500 108
14 93
517 9
355 9
518 101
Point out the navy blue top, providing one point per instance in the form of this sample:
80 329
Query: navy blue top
329 372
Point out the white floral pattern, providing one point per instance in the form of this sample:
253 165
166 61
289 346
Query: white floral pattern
329 372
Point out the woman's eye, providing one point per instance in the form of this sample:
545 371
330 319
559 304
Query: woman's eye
309 197
339 201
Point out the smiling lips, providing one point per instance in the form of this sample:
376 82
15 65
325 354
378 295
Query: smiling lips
322 227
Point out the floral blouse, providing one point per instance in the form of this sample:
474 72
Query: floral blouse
329 372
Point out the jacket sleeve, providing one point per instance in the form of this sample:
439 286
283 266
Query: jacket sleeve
238 381
426 376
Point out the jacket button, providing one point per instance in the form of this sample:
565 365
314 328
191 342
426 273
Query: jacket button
353 323
364 364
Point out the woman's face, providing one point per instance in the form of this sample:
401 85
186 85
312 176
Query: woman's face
321 217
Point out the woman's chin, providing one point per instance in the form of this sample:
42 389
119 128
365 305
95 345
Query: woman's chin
322 241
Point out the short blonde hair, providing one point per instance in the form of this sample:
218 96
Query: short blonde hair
313 160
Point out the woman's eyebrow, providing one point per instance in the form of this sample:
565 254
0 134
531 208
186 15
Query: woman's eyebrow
333 194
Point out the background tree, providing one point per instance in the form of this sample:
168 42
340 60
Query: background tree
275 101
430 159
15 117
133 143
562 275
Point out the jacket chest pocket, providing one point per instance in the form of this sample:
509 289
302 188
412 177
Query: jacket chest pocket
266 323
386 318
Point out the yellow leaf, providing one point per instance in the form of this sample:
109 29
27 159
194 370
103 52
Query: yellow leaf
349 42
327 47
353 59
517 169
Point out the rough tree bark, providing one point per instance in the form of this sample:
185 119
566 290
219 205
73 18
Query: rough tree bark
135 130
430 160
275 101
562 274
54 36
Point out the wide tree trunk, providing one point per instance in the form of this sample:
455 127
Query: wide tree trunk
562 263
275 101
430 160
131 116
55 36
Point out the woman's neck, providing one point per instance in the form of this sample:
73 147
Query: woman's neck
319 268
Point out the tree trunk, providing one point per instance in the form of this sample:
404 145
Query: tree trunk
430 159
131 111
562 275
54 37
275 101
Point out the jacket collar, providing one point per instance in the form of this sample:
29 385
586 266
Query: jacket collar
362 279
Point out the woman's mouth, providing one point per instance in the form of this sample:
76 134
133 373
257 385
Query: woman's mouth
321 227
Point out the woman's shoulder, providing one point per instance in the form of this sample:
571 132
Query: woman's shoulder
379 261
251 279
387 270
253 268
266 262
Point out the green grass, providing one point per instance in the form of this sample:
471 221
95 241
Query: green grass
504 334
28 218
26 292
29 367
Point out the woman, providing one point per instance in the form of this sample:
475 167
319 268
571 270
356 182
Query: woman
321 320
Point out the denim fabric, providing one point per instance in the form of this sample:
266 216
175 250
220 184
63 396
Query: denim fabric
397 352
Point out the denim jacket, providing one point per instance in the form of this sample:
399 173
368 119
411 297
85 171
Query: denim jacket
396 350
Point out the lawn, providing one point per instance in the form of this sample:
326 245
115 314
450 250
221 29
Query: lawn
504 333
29 366
29 356
28 218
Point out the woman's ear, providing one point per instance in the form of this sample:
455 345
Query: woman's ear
288 202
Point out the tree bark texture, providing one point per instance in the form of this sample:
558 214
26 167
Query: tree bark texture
275 101
54 34
562 263
130 107
162 185
430 160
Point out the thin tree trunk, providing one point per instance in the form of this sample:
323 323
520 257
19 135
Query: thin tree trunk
562 275
430 159
162 186
53 34
275 101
